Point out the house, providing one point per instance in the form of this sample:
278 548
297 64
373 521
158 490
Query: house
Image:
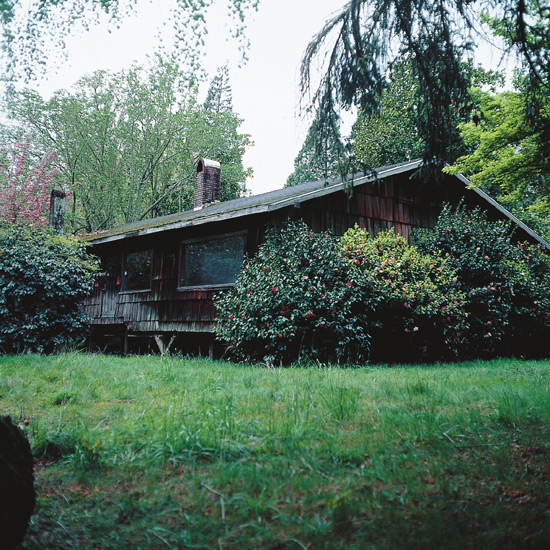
162 273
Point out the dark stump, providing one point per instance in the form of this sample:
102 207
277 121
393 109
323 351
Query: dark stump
17 496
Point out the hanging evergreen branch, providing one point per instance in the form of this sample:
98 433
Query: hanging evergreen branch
359 43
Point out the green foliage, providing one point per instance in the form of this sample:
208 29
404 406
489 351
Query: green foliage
43 277
418 307
322 155
506 285
365 37
508 155
295 298
389 134
35 34
219 97
128 142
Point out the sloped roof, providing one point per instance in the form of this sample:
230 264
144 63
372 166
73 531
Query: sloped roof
275 200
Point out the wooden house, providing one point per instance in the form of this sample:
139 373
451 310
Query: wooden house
161 273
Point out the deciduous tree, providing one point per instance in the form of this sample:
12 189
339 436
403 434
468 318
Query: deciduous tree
128 142
24 184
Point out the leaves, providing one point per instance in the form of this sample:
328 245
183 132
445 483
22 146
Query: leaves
127 143
43 277
296 297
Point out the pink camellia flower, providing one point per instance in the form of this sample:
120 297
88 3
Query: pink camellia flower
357 262
447 255
486 257
415 329
477 249
274 289
349 283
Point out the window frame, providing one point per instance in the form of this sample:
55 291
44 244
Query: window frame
123 289
217 237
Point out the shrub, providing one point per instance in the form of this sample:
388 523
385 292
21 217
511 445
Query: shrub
506 284
297 297
43 277
418 307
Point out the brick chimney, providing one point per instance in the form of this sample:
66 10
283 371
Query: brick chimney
207 183
57 211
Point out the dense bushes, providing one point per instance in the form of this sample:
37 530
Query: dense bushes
465 289
297 297
417 309
43 277
506 285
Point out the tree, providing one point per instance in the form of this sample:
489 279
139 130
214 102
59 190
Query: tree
367 35
321 155
24 185
508 156
389 135
33 33
128 143
219 98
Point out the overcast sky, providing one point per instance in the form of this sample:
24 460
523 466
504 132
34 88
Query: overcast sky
265 89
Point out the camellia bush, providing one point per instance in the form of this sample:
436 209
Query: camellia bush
418 307
296 298
506 285
43 278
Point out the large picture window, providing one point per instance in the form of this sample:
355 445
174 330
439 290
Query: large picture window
211 262
136 273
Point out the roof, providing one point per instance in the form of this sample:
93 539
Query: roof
275 200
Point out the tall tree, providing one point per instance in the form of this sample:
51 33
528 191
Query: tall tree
389 134
322 155
367 35
127 142
219 98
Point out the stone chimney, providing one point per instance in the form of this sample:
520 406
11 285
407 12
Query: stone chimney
207 183
57 211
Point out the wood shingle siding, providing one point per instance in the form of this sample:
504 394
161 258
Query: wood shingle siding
395 199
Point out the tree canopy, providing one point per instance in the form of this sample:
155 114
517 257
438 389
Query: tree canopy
321 155
507 155
127 143
365 37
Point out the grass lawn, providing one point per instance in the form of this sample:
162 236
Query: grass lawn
153 453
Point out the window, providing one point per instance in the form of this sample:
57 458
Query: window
211 262
136 274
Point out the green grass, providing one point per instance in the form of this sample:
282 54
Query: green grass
153 453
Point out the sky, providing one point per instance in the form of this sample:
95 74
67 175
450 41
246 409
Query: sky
265 88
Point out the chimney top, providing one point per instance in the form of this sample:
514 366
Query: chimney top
207 183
